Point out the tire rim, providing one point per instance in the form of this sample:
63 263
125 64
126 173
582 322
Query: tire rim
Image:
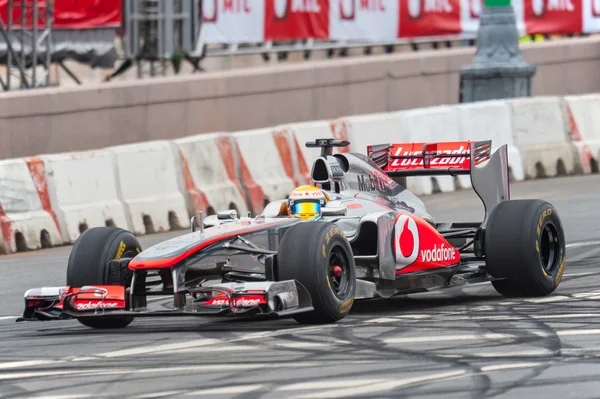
339 273
550 248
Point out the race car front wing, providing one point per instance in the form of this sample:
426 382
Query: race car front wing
260 298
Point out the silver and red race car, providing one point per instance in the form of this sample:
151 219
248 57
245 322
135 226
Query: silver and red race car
374 239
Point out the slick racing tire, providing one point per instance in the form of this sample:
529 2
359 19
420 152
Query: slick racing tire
525 248
88 265
318 255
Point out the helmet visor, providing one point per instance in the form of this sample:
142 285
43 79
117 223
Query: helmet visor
306 208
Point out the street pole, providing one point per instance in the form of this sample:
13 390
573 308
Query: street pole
497 70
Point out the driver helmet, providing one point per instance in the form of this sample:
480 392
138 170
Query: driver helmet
305 202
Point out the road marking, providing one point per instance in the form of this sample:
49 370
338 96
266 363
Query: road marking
206 368
384 320
149 349
525 353
79 395
498 367
565 316
556 298
584 255
465 337
9 317
226 390
332 383
27 363
385 385
581 244
579 274
568 333
158 394
159 348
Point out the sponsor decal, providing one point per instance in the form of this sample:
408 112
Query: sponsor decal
305 194
441 254
92 305
565 16
475 7
346 305
547 212
429 17
336 170
374 182
354 205
296 19
248 301
539 6
407 240
595 8
121 250
216 302
454 161
560 271
334 231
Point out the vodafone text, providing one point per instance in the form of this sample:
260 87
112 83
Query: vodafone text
434 161
436 254
96 305
242 302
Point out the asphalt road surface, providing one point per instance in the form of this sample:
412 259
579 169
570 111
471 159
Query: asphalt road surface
464 343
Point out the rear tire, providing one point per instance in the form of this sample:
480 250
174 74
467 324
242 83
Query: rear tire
525 247
309 253
88 265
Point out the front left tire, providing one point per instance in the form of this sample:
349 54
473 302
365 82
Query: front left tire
88 265
318 255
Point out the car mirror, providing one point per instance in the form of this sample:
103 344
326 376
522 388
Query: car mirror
228 214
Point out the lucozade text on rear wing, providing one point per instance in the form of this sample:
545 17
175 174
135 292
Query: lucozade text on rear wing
488 171
427 159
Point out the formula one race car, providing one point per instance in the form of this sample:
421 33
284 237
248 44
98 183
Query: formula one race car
356 234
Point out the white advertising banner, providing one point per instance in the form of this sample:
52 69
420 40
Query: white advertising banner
363 20
233 21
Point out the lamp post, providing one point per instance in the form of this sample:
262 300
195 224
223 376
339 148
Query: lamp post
497 70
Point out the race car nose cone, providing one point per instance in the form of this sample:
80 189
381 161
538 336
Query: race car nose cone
336 271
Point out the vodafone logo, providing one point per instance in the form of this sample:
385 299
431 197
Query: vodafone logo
539 6
407 240
247 302
96 305
417 7
442 254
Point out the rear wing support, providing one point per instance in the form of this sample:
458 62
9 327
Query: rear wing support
489 172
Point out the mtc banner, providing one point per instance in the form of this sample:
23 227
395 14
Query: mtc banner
255 21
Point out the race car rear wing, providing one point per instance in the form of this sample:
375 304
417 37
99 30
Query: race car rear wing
489 172
430 159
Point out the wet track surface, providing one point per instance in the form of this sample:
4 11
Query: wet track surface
460 343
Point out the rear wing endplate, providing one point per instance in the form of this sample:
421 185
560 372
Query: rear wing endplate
489 171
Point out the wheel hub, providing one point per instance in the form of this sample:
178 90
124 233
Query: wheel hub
336 271
550 249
